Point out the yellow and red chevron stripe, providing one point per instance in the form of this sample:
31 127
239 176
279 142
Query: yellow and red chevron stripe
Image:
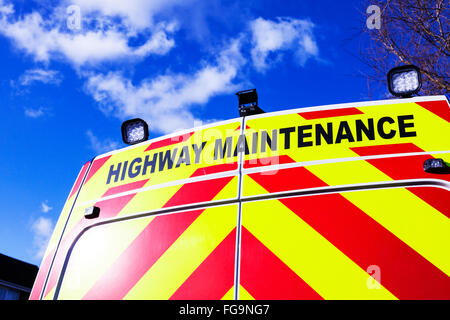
291 205
332 241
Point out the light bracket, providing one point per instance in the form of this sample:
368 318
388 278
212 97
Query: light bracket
248 103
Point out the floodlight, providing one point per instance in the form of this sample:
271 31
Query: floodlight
404 81
134 131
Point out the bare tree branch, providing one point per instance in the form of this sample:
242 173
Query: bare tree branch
412 32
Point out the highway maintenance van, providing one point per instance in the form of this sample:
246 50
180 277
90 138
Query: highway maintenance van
347 201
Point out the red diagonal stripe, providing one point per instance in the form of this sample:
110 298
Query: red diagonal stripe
96 165
404 272
387 149
410 167
439 108
403 167
201 191
239 128
145 250
287 179
436 197
266 277
110 208
125 187
310 115
269 161
40 278
169 141
214 277
215 169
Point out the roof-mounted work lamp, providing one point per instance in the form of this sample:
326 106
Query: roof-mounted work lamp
134 131
404 81
248 103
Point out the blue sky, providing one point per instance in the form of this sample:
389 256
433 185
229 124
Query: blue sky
68 80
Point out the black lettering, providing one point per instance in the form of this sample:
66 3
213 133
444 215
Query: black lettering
134 174
114 173
287 136
255 143
302 135
241 145
147 163
368 131
272 142
168 157
380 127
225 148
402 126
124 170
344 132
184 157
326 134
198 151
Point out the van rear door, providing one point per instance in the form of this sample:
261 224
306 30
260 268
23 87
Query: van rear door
166 224
336 203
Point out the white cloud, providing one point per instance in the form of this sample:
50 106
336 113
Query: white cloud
285 34
46 39
97 46
40 75
6 9
135 14
34 113
42 229
45 207
164 101
130 31
100 146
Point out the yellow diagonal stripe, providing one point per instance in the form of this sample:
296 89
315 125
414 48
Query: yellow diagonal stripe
95 252
320 264
244 294
150 200
229 295
186 254
50 295
348 172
